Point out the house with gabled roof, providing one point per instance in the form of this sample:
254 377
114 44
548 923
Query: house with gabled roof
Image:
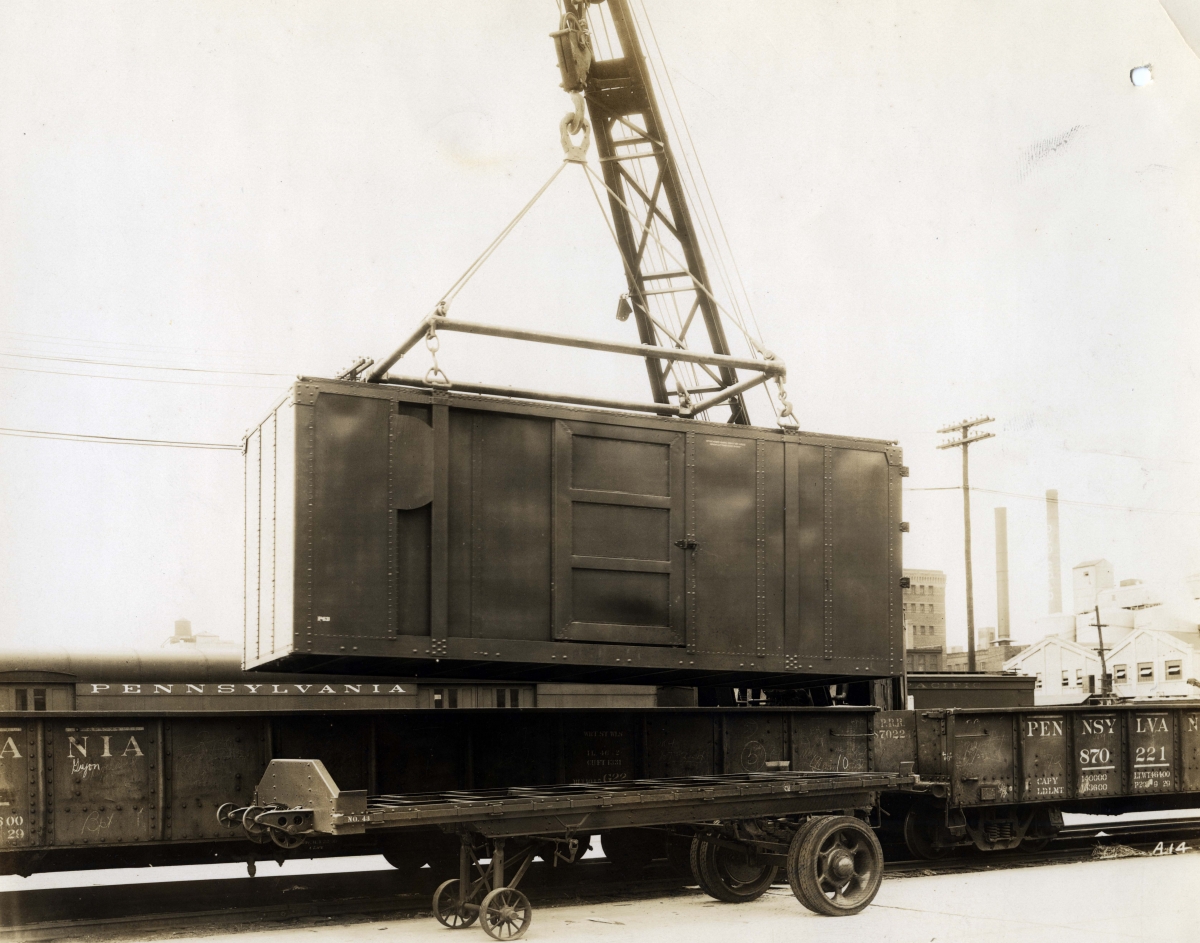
1066 671
1155 663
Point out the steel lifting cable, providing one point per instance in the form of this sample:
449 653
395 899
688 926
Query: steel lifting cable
679 342
695 155
758 349
441 309
754 344
474 267
786 412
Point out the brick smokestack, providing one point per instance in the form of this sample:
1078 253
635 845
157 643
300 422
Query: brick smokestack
1055 555
1002 625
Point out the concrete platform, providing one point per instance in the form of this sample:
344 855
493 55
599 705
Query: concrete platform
1144 898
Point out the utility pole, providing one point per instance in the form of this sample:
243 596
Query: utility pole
965 439
1105 685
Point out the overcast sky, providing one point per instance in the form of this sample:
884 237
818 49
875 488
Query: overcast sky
940 210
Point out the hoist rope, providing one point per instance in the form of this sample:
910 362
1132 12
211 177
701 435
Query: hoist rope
495 244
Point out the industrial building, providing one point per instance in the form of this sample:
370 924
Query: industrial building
924 606
1149 652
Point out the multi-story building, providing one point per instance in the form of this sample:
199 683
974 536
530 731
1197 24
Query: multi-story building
925 620
990 652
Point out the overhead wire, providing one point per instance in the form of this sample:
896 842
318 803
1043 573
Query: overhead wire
117 440
1038 497
141 366
91 342
101 376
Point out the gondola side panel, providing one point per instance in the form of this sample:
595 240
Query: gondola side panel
19 825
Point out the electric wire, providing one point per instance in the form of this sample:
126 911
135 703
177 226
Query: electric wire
116 440
101 376
1039 497
141 366
88 342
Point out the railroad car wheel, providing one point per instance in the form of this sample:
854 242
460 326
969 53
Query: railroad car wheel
836 867
505 914
1034 845
225 815
254 831
694 854
922 829
729 876
447 909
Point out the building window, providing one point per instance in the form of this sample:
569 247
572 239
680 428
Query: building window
1066 678
1038 683
508 697
1079 676
1119 674
37 702
1174 670
1145 671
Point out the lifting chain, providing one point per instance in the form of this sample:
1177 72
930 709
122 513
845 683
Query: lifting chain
573 122
685 399
435 375
786 415
785 406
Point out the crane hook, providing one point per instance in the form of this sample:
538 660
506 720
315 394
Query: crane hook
573 122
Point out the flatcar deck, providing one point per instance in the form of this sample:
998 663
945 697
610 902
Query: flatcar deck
299 797
634 802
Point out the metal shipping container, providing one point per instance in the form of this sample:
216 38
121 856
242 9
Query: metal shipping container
401 531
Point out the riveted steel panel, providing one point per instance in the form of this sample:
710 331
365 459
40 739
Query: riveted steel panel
209 762
511 515
599 748
726 553
1190 743
1151 751
682 745
1045 764
438 533
755 743
984 759
831 742
351 517
933 748
895 740
860 535
344 745
619 518
103 781
19 825
1096 754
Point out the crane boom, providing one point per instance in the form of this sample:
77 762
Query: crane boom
669 286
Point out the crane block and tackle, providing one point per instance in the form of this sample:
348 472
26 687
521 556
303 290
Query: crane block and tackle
642 191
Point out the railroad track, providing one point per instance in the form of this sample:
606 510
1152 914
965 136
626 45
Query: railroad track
140 911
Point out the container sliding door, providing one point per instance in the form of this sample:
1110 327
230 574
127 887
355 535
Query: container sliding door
618 535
